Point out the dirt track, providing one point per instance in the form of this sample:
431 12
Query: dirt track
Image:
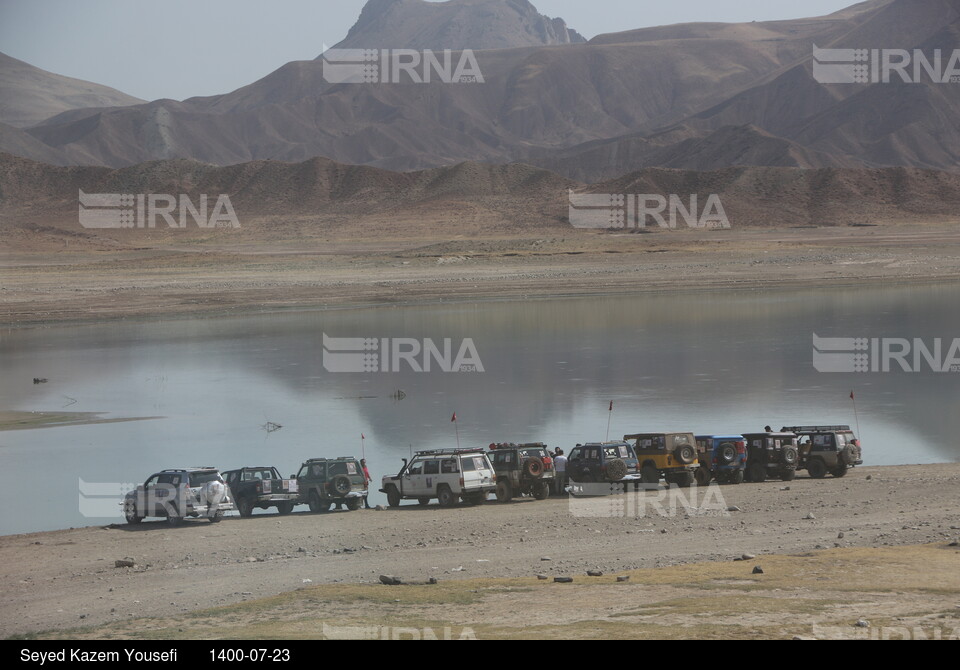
67 579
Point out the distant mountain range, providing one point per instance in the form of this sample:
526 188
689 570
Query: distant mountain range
319 196
696 96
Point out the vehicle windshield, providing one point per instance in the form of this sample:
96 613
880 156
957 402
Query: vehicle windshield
620 451
200 478
253 475
342 468
532 453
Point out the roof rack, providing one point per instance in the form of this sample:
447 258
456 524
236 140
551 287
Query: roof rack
514 445
448 452
814 429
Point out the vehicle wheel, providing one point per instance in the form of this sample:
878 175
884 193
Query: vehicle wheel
684 479
340 485
616 470
728 452
284 507
317 504
423 502
130 512
817 468
353 504
533 468
686 454
649 474
174 519
788 475
217 516
703 476
839 471
393 496
245 507
504 491
758 473
541 491
445 496
736 477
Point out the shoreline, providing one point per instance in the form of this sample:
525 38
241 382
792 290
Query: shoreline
64 583
162 282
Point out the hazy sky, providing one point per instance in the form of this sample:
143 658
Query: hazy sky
181 48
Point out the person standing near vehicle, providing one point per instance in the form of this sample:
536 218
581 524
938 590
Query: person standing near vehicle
366 483
560 469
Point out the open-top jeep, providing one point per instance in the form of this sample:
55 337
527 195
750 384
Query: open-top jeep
823 449
522 469
771 455
722 457
177 494
448 475
672 456
261 487
325 481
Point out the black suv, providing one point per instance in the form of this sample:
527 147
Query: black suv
602 462
522 469
261 487
771 454
823 449
326 481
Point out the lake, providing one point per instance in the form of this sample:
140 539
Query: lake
707 362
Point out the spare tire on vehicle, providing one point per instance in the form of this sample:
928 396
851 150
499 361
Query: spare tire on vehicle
534 467
728 452
214 492
616 470
686 454
790 456
340 485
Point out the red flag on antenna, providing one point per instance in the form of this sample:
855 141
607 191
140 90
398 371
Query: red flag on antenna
454 419
851 396
611 405
362 437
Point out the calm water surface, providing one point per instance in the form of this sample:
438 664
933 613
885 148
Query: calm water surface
710 362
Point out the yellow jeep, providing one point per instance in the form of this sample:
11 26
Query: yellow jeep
672 456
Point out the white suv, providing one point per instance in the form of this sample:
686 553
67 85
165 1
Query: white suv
177 494
448 475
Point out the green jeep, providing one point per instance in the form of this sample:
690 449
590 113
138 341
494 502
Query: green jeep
325 481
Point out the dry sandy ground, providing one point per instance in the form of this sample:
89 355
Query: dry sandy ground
856 559
42 283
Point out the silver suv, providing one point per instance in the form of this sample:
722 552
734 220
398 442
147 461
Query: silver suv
177 494
449 475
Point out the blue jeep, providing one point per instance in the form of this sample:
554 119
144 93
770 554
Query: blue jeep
722 457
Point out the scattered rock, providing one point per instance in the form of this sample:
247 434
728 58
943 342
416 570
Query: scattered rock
869 477
433 580
563 580
545 558
810 517
306 581
734 508
301 550
623 578
594 573
542 578
381 508
757 570
954 544
125 563
785 488
747 557
862 623
390 580
840 535
804 639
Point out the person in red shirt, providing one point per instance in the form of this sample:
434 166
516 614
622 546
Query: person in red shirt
366 475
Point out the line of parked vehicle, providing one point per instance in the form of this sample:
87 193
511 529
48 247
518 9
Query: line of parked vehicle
507 469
